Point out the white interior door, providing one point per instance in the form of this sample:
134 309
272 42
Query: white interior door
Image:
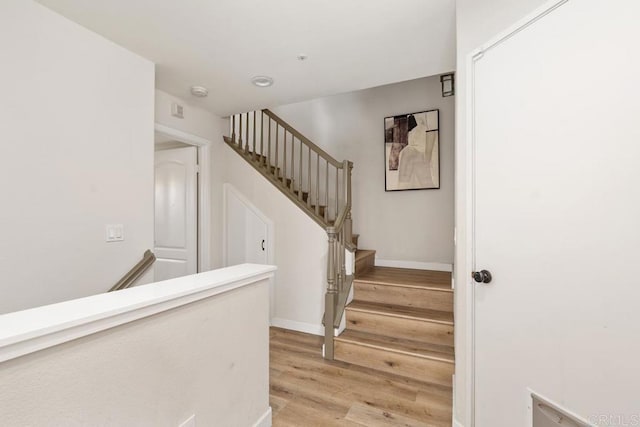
557 216
176 213
246 232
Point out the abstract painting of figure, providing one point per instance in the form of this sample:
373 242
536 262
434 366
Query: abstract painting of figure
412 155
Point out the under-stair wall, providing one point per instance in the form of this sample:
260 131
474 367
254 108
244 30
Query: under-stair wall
300 249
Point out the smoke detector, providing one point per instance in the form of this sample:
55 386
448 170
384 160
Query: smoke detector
262 81
199 91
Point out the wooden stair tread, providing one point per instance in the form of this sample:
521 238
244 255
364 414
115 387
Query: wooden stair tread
425 314
427 279
442 353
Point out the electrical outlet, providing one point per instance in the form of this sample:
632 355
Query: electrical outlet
190 422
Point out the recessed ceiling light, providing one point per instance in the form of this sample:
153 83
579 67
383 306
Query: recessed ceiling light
199 91
262 81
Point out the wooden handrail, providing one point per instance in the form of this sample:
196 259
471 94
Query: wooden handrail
136 272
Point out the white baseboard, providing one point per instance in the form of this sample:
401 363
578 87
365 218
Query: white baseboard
307 328
416 265
264 420
453 400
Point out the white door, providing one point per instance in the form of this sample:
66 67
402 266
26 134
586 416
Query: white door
175 213
246 232
557 215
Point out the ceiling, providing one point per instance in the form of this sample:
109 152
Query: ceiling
221 44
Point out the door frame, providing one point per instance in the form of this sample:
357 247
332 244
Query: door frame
465 174
204 189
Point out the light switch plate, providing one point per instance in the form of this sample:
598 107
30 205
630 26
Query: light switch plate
114 232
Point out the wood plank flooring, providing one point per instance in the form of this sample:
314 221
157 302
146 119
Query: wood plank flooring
308 391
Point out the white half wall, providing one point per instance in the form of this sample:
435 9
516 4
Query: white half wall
300 247
77 154
414 225
153 355
477 23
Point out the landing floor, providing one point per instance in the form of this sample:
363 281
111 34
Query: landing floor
308 391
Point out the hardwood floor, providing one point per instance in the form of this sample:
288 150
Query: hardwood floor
307 390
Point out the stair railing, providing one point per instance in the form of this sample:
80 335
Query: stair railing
311 178
338 283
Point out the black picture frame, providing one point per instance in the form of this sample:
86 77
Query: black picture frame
398 136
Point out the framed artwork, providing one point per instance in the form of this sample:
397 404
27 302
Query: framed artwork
412 151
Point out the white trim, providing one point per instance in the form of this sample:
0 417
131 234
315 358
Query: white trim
469 349
453 401
469 215
454 421
519 26
204 208
204 189
307 328
28 331
530 395
264 420
179 135
416 265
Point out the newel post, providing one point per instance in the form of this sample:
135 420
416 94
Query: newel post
331 296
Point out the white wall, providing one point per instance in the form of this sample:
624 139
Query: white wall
204 124
477 23
209 358
76 118
300 249
401 225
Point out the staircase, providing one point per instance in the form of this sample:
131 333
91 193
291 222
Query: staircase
313 180
400 321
